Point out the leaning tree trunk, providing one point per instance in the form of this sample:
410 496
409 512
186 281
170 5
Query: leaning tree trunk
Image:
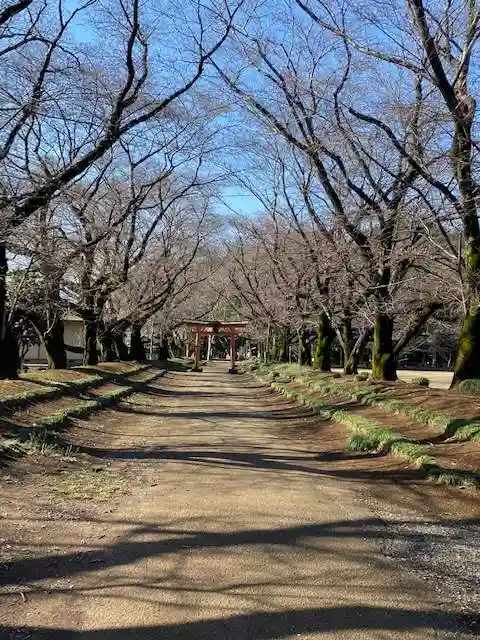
137 350
384 366
91 333
55 345
351 366
323 350
8 343
120 346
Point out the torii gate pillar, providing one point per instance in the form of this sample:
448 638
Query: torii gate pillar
233 352
196 366
208 328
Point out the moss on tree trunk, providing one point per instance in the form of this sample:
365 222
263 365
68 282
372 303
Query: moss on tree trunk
467 358
279 345
384 365
351 365
350 362
322 358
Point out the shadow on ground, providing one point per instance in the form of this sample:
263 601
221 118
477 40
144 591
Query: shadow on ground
271 625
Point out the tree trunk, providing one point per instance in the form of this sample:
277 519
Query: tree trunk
55 345
384 366
350 363
164 351
9 356
137 350
120 346
279 345
8 344
323 350
283 343
467 358
306 356
107 344
91 331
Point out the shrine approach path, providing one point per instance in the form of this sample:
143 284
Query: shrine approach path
243 518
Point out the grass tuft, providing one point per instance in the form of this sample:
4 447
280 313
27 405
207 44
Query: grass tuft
421 381
469 386
362 376
95 484
454 478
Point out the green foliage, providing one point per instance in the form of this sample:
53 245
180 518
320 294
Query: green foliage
421 381
472 385
464 479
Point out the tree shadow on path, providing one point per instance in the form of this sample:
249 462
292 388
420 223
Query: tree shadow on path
276 624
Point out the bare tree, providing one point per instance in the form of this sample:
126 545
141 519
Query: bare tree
436 43
353 183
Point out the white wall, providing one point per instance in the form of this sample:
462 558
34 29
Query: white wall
73 335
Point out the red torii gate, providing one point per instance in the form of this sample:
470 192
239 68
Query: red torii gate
215 327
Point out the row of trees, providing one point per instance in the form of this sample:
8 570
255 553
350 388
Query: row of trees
106 179
351 129
364 161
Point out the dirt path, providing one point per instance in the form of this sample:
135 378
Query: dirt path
233 514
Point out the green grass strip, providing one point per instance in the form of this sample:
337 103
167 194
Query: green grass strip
59 389
41 432
367 435
449 426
